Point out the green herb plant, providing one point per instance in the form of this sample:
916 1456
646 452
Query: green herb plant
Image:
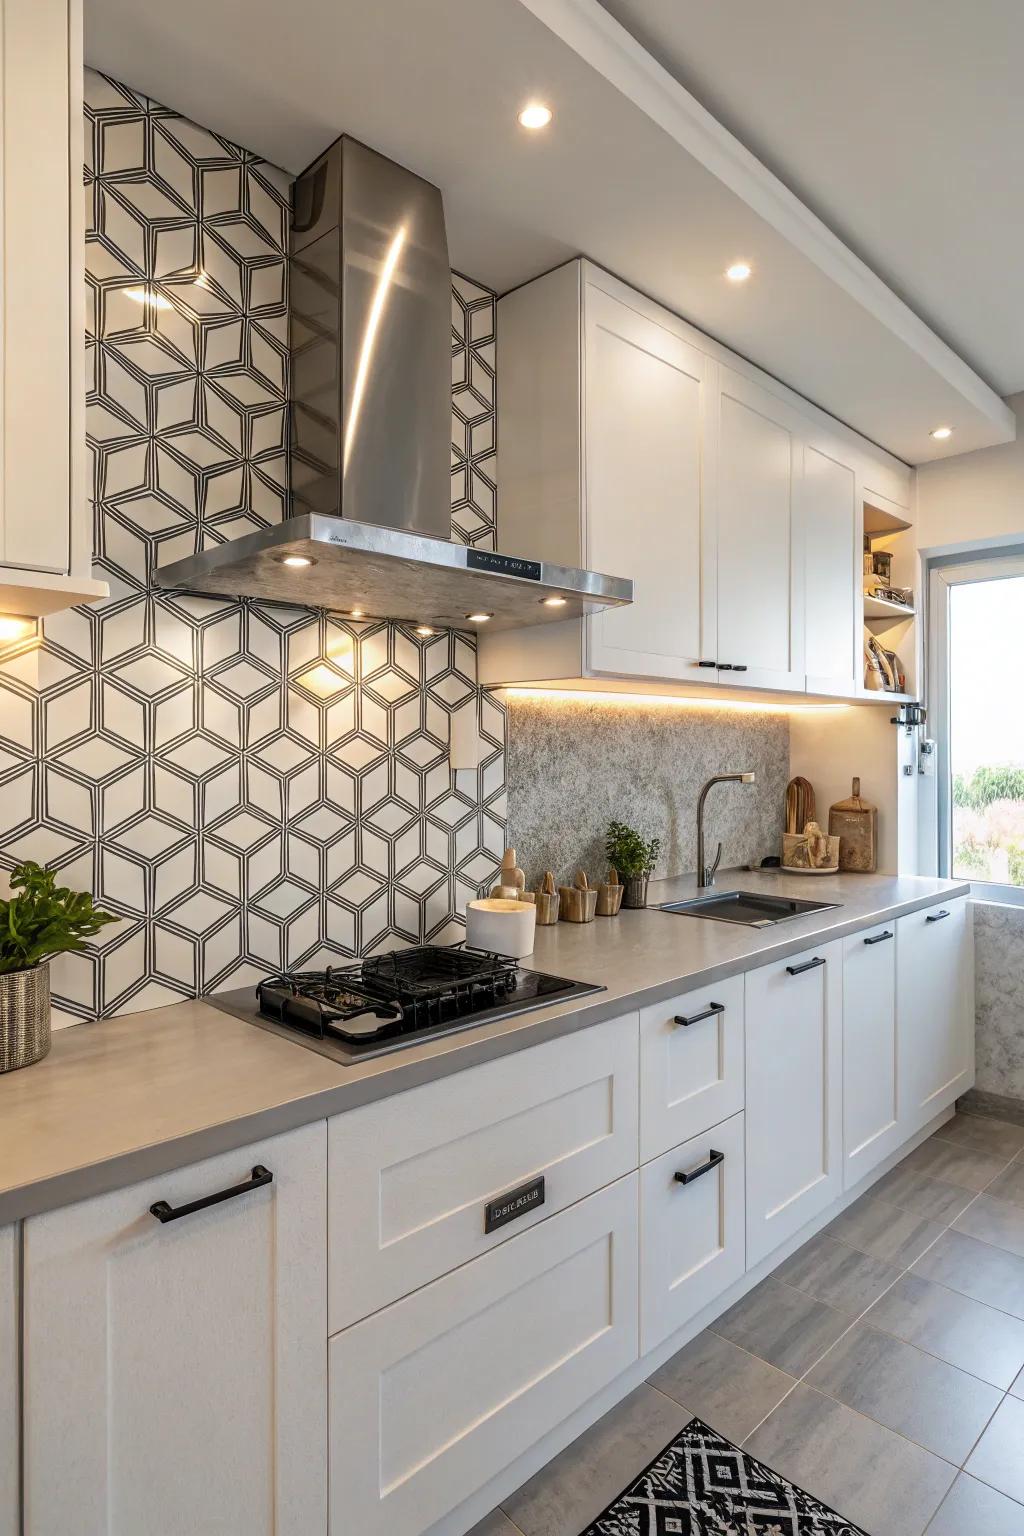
631 854
43 918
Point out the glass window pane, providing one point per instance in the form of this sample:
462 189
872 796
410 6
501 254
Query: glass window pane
986 729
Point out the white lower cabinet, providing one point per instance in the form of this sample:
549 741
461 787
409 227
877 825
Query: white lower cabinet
794 1094
691 1064
436 1394
10 1438
412 1177
934 1010
175 1372
871 1124
692 1238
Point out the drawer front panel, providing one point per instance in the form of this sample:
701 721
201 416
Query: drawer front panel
692 1237
691 1075
410 1178
432 1397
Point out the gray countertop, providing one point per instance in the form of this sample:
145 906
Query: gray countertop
135 1096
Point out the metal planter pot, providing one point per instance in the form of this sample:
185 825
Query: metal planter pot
635 894
24 1017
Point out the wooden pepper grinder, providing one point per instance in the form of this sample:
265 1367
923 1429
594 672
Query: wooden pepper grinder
546 900
609 894
855 823
511 880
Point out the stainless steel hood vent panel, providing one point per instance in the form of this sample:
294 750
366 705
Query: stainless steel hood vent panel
370 334
385 573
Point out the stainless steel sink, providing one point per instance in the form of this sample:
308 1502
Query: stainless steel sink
747 907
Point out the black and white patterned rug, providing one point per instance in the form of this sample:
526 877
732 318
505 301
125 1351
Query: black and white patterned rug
701 1485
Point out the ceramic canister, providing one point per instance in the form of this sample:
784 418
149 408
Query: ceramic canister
502 926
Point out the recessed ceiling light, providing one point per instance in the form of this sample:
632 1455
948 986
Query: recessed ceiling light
296 561
739 271
479 618
553 602
425 629
941 433
535 115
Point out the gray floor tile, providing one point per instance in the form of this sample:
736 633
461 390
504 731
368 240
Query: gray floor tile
787 1328
998 1458
930 1199
976 1338
868 1474
1010 1183
976 1269
494 1524
951 1164
883 1230
722 1384
971 1508
840 1276
572 1490
982 1134
994 1221
899 1386
1018 1387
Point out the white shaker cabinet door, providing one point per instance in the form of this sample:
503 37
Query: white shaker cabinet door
871 1124
934 1009
691 1064
175 1372
833 571
10 1519
644 402
760 552
794 1094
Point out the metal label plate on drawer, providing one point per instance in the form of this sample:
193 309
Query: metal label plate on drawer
516 1202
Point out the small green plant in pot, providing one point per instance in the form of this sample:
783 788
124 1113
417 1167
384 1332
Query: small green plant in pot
40 919
634 856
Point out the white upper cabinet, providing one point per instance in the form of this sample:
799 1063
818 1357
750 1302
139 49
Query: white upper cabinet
644 392
45 521
831 534
760 574
176 1369
633 445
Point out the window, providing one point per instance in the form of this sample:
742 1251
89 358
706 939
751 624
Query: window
977 715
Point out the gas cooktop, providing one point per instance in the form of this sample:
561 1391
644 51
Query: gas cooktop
385 1002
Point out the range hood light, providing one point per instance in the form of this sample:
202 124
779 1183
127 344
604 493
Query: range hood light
297 562
479 618
425 630
553 602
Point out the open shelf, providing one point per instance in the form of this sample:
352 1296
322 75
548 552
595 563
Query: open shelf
885 608
878 522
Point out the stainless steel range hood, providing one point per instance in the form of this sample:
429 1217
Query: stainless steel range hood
370 339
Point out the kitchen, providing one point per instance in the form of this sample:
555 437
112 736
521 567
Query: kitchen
395 1247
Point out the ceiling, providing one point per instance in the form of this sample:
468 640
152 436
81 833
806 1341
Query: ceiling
632 172
900 124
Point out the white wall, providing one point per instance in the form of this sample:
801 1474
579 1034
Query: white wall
973 498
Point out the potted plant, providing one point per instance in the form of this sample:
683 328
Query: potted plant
634 857
40 919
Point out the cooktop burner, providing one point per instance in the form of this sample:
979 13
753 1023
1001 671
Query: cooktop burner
351 1012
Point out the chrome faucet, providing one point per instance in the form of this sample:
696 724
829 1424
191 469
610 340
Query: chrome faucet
706 872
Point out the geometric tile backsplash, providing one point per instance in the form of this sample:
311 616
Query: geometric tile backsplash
247 785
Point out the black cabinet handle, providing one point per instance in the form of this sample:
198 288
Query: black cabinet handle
707 663
879 938
695 1018
725 666
739 666
164 1212
808 965
936 917
714 1158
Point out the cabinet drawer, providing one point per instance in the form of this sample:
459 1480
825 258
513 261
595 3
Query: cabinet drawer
692 1238
411 1176
691 1074
430 1398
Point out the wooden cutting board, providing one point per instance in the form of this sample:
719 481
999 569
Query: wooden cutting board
799 804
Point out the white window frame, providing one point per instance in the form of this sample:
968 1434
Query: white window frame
943 575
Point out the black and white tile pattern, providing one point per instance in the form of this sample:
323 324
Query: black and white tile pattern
246 785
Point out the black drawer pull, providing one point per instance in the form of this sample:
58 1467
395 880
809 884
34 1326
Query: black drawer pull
695 1018
707 663
726 666
714 1158
739 666
936 917
164 1212
808 965
879 938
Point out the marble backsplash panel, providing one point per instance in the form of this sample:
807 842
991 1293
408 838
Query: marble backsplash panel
575 764
999 999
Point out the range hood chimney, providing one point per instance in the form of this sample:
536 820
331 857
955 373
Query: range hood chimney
370 334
